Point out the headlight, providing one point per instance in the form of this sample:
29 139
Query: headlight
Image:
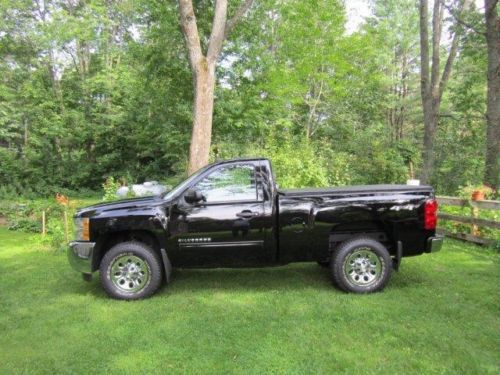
82 231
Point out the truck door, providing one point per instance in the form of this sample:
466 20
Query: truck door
230 226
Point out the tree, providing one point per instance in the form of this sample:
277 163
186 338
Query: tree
492 171
432 81
86 85
395 25
203 70
304 57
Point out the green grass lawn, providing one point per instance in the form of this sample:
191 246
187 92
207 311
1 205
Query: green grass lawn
439 314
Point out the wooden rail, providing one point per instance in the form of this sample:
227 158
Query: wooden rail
452 201
465 237
473 220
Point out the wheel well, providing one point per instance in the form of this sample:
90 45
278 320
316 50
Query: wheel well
336 238
109 240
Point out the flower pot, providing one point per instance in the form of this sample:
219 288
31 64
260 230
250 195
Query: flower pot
477 195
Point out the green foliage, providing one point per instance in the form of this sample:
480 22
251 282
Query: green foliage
300 164
296 162
466 192
456 227
110 187
26 216
24 224
104 89
55 239
98 117
295 168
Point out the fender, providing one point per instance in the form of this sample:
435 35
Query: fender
124 223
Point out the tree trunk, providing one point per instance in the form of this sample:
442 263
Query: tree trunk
430 126
26 132
492 171
201 137
427 154
432 83
203 69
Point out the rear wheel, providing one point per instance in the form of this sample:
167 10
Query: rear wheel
131 270
361 265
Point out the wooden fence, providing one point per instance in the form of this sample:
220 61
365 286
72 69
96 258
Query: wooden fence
474 221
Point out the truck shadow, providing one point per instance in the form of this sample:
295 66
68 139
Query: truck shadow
300 276
296 277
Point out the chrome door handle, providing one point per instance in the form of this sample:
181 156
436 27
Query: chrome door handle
247 214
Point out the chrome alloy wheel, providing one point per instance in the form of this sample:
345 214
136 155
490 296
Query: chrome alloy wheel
363 267
129 273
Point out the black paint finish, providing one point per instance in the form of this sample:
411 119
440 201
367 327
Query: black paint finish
272 228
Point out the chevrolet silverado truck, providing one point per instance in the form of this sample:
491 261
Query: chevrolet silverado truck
231 214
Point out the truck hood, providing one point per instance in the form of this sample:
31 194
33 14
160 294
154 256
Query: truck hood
123 204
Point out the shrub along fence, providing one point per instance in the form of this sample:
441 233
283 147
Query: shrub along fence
51 218
473 222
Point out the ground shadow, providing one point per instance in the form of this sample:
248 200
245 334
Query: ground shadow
296 277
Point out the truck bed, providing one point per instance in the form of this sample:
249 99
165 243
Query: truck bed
392 213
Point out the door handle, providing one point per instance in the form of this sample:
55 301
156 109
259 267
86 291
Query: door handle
247 214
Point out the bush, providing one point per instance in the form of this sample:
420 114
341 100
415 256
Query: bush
377 161
55 238
296 162
110 187
26 216
25 225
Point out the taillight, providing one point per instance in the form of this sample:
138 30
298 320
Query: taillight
430 214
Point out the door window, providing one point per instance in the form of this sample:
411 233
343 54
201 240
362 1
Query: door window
229 184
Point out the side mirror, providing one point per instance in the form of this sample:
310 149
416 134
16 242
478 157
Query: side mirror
193 196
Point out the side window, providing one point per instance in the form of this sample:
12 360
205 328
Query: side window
229 184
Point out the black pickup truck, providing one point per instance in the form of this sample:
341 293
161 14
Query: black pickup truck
231 214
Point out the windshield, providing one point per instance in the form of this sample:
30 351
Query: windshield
184 184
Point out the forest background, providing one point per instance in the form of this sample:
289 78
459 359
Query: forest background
104 88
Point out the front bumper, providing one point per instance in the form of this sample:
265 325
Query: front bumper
80 256
434 244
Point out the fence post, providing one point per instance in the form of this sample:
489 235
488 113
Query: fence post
475 215
66 225
44 229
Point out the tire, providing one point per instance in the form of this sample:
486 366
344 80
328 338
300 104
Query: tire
131 270
361 265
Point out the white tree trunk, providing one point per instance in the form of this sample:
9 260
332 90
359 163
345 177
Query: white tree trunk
201 136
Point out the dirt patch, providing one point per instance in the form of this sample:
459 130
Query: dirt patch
3 221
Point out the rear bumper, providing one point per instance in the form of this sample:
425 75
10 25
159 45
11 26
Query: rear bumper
434 244
80 256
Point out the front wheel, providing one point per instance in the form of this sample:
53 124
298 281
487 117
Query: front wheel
361 265
131 270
